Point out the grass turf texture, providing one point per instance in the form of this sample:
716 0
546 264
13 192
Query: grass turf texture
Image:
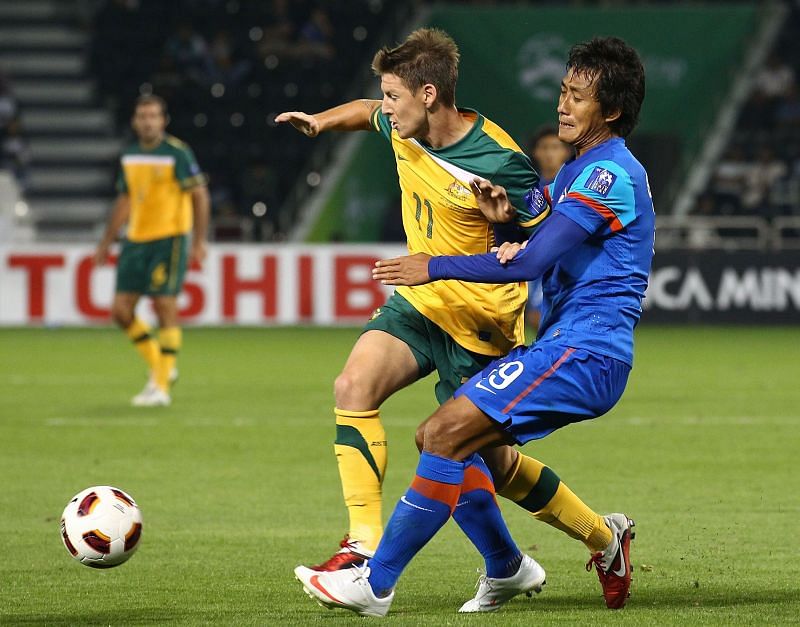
238 484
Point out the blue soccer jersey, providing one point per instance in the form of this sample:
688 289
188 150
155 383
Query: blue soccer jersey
593 285
593 295
594 256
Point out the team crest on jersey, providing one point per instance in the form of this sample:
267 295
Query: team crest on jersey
601 181
459 191
535 201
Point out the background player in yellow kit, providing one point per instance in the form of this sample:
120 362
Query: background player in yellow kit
450 326
162 194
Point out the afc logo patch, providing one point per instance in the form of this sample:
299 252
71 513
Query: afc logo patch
536 201
600 181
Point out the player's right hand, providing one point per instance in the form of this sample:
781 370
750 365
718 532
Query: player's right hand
100 255
408 270
303 122
508 250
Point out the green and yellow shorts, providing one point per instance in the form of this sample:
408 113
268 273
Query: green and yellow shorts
432 347
155 268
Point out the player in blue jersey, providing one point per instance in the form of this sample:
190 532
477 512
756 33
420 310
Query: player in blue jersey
594 256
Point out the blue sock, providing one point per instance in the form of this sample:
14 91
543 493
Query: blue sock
480 519
420 513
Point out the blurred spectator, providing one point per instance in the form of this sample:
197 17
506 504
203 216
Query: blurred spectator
189 53
787 113
316 36
730 180
775 78
8 103
298 32
226 67
759 178
548 153
14 154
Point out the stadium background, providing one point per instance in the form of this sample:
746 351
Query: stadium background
236 479
719 134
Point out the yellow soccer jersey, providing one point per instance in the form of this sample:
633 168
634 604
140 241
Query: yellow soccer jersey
441 217
158 182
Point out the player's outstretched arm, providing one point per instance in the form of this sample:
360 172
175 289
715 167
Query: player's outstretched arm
493 201
508 264
410 270
351 116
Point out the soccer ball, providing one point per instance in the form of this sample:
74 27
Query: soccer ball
101 527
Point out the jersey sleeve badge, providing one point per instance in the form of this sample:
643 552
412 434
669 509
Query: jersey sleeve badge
535 201
601 181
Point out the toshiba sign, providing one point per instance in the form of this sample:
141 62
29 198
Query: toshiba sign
332 284
243 284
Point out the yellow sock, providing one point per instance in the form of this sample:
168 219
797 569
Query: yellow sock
535 487
170 340
141 335
361 453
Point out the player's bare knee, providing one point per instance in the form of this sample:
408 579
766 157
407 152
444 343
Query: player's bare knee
419 437
352 392
121 315
440 436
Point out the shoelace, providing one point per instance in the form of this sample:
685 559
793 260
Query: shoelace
361 572
595 560
599 562
483 580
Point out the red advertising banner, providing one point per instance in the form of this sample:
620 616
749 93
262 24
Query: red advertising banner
243 284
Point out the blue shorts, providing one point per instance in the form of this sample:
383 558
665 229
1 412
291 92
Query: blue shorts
534 390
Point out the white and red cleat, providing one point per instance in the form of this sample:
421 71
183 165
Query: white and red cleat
348 589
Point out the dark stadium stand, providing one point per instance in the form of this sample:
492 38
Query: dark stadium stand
70 71
226 68
759 173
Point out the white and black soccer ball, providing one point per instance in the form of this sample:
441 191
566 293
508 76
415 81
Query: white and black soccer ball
101 526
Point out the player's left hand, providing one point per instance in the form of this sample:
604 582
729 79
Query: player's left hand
493 201
508 250
198 253
409 270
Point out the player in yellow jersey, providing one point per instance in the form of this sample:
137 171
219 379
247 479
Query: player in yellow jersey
163 198
445 157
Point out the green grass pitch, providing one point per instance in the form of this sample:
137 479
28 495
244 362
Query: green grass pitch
238 484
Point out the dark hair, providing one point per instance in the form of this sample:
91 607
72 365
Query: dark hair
541 133
428 55
618 76
148 99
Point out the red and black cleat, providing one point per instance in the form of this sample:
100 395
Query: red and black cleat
613 565
348 556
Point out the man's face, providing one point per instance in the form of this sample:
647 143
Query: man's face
149 122
550 153
406 110
580 119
